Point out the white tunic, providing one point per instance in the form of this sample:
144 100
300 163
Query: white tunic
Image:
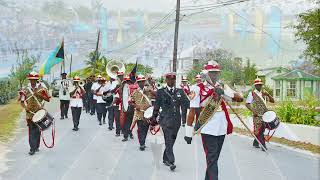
76 100
64 87
216 126
195 102
105 88
250 97
94 87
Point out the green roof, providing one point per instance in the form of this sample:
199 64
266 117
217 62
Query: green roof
297 75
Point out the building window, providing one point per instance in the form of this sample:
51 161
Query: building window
278 88
307 88
307 84
291 89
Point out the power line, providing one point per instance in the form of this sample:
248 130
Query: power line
206 6
146 34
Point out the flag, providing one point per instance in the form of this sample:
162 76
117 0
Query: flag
56 57
132 75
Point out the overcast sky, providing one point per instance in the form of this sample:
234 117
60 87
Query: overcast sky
150 5
167 5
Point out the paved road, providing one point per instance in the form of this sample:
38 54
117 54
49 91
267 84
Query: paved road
95 153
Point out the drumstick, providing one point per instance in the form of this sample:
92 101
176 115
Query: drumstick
254 136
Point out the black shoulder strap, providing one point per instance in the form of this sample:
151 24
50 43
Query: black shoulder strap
166 91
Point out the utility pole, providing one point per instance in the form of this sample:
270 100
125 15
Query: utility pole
176 37
96 53
70 63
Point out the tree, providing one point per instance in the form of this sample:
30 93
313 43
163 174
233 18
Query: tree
250 73
232 69
141 69
25 64
308 31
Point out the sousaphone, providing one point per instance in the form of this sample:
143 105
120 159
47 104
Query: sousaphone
113 67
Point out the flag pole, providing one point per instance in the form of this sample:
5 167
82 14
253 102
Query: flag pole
70 63
96 53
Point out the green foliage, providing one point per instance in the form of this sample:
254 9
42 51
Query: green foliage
233 71
98 67
24 65
302 112
8 90
141 69
308 31
250 72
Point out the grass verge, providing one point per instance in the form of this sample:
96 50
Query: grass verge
9 115
296 144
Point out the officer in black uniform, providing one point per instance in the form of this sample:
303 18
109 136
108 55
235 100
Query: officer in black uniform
169 99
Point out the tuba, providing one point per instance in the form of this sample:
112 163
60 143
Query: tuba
113 67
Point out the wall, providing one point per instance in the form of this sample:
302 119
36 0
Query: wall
294 132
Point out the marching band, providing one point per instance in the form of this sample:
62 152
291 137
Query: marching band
137 101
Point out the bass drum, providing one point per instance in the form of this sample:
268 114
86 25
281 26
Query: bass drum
42 119
125 97
271 120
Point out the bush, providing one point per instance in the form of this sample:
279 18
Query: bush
8 90
301 113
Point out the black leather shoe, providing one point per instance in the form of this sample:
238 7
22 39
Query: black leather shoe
110 128
117 135
172 167
142 148
183 125
74 129
100 123
125 139
32 153
66 117
61 118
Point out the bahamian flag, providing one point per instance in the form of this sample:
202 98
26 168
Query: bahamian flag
56 57
133 72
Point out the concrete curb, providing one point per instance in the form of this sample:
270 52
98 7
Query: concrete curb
293 132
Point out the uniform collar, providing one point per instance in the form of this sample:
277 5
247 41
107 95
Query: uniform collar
171 88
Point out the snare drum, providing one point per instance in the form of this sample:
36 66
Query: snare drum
148 113
271 120
42 119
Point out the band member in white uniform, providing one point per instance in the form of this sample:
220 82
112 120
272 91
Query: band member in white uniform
194 97
257 103
64 96
27 98
213 133
76 102
101 106
94 87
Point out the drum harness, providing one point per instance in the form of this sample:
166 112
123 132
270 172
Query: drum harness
53 132
267 137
